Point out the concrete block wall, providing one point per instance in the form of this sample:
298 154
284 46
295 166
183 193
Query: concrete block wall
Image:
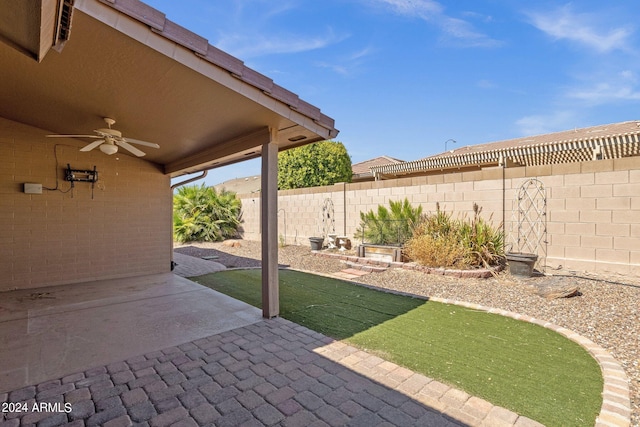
121 228
592 215
300 213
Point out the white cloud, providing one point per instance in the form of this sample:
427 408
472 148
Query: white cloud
478 16
362 53
336 68
545 123
606 87
565 24
454 29
250 46
253 28
425 9
606 92
485 84
349 64
463 31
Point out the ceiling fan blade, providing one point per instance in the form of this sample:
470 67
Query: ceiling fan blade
145 143
73 136
93 145
130 148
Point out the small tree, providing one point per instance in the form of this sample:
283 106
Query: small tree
312 165
202 214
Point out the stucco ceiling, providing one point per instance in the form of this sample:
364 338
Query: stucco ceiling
157 90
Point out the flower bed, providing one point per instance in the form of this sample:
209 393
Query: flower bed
367 264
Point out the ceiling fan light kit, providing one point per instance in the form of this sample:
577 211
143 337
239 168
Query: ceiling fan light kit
110 139
109 149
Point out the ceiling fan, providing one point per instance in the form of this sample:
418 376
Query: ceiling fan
109 140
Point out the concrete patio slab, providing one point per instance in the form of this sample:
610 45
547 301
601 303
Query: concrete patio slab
51 332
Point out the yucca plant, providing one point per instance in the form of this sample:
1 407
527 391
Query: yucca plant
436 224
202 214
486 243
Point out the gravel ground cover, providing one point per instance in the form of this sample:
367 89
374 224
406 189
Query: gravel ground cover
607 311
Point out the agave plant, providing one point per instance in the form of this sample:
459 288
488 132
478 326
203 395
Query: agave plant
202 214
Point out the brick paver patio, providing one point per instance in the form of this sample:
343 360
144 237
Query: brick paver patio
273 372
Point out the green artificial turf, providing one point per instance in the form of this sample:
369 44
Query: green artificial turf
526 368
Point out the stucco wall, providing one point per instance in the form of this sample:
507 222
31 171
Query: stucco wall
592 218
122 228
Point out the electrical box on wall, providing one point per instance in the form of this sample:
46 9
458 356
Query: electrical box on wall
30 188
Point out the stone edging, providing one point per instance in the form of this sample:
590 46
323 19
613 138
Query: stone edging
371 265
616 402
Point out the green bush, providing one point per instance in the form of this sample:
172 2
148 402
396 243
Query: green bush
440 241
202 214
385 226
313 165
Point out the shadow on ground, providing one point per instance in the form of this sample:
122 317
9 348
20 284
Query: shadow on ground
224 258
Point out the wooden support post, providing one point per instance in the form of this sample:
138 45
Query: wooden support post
269 220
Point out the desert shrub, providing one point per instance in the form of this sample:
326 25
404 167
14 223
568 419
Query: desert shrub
442 251
389 226
440 241
202 214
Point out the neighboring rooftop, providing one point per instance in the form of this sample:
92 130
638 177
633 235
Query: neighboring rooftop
362 170
576 145
364 167
249 184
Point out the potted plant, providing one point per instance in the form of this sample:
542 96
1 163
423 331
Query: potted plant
316 243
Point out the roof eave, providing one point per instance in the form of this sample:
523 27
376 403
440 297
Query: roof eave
207 59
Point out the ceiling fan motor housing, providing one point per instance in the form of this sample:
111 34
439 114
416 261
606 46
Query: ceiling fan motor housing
110 132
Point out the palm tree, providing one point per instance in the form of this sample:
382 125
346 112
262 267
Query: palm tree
389 226
202 214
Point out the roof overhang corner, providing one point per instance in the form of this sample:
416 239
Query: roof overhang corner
33 28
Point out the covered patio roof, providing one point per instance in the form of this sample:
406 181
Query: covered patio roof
68 64
160 82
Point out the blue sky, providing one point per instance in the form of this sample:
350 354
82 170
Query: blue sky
401 77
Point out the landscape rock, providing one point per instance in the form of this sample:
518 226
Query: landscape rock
559 291
232 243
